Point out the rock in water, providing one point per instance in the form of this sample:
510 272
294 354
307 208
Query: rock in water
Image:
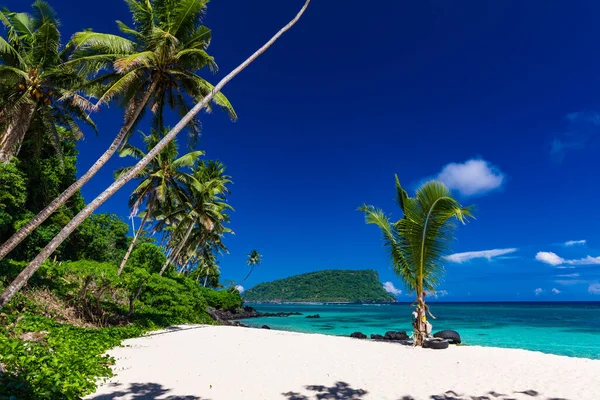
400 335
358 335
313 316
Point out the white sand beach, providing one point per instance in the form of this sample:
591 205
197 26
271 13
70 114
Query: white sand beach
226 363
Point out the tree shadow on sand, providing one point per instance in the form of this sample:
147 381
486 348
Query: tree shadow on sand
141 391
491 395
341 390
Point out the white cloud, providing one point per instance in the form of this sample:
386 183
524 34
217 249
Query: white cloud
437 293
472 177
469 255
594 288
575 275
574 242
240 288
551 258
390 288
555 291
570 282
538 291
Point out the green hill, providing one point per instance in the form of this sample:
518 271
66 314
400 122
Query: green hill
323 286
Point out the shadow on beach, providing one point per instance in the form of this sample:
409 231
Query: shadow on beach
342 390
139 391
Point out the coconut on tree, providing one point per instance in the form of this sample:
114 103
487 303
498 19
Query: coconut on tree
40 95
418 242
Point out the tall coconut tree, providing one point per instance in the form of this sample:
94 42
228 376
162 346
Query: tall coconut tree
35 264
254 259
418 242
154 64
161 181
37 84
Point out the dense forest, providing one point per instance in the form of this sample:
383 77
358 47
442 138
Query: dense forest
323 286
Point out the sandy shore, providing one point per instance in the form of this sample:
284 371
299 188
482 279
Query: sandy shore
230 363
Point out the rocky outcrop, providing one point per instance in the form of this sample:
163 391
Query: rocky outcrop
243 313
358 335
265 327
313 316
377 337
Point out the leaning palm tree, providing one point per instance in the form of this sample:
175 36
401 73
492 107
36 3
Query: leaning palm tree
155 63
254 259
36 83
418 242
35 264
161 181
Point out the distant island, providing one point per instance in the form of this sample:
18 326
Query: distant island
328 286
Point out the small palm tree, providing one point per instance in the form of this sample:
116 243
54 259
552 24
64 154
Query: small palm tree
418 242
36 84
254 259
162 180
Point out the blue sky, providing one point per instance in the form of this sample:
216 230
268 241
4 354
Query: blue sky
501 100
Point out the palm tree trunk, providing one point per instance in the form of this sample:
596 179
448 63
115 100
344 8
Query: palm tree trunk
24 276
176 252
30 226
135 238
420 326
251 269
11 140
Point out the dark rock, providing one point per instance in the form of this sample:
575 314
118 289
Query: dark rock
279 314
313 316
400 335
358 335
377 337
265 327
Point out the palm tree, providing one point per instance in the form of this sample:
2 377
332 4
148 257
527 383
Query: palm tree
35 264
418 241
203 213
37 84
254 259
161 181
153 65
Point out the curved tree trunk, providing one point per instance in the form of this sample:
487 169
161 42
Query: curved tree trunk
24 276
30 226
135 238
12 139
247 276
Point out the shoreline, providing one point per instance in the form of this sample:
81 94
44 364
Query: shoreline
223 362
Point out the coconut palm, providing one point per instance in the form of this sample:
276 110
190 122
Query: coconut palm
418 242
254 259
36 84
155 63
162 180
202 214
35 264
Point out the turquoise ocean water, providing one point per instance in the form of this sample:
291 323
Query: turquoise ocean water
571 329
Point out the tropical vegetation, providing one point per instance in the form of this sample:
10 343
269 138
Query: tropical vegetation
344 286
59 315
418 242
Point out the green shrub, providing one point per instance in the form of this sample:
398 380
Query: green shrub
222 299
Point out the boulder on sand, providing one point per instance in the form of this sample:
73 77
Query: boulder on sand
358 335
400 335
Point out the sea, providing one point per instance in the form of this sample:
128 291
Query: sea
565 328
